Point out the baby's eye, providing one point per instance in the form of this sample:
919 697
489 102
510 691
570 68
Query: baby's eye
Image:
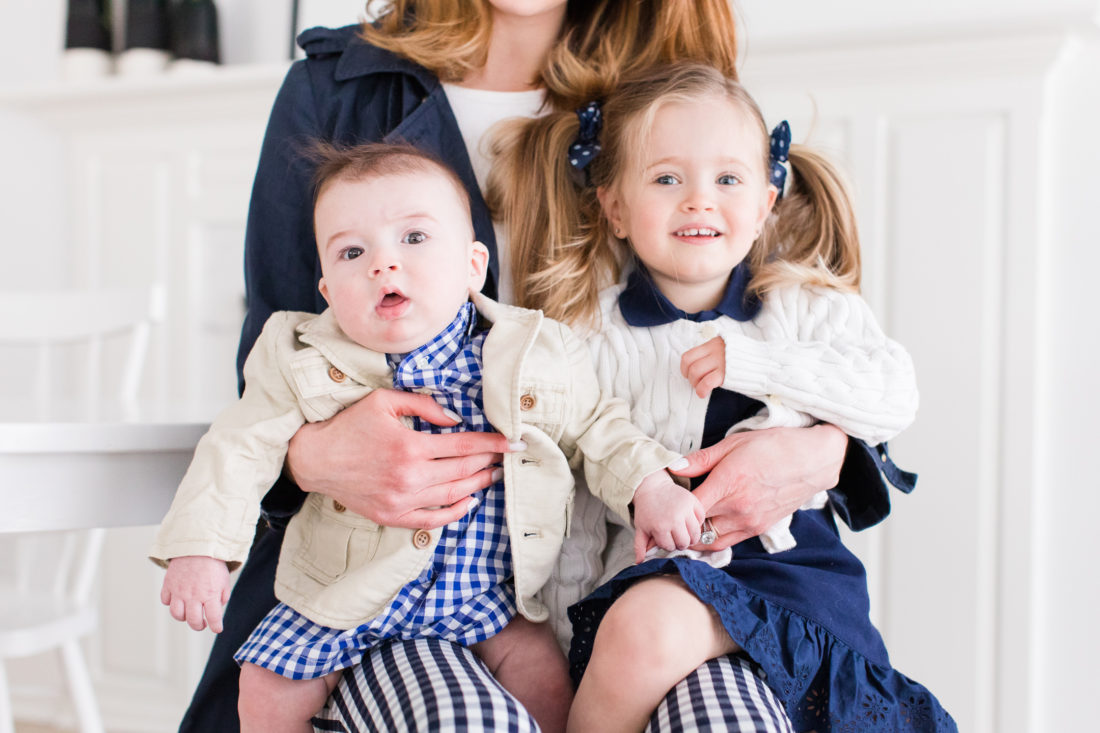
666 179
414 238
350 253
728 179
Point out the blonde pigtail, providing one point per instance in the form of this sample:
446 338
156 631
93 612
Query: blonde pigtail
812 236
560 255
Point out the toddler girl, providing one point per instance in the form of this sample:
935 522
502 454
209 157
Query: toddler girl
737 309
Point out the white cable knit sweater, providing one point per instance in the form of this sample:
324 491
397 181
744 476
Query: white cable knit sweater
810 355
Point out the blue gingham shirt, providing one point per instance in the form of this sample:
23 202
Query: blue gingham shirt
463 595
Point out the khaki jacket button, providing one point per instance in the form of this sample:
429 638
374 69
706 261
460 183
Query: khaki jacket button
527 401
338 507
336 375
422 538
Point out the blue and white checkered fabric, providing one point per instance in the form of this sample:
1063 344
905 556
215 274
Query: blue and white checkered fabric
461 596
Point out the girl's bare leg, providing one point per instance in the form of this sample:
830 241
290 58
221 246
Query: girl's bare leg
527 661
271 703
652 637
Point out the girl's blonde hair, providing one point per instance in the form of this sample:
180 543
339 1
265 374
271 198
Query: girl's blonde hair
563 249
601 40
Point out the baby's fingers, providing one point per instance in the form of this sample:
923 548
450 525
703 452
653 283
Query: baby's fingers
177 608
195 618
213 610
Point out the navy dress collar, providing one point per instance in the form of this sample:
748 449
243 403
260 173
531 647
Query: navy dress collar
643 305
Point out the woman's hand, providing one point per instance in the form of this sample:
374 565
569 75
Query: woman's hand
758 477
367 459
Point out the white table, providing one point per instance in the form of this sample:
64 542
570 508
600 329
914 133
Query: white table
65 475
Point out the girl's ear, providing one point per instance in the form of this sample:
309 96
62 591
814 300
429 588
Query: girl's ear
479 265
767 204
324 289
612 207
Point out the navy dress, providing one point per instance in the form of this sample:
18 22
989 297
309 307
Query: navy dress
802 615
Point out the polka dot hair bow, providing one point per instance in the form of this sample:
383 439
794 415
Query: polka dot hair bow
778 154
587 146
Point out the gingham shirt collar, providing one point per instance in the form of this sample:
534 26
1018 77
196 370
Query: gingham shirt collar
413 369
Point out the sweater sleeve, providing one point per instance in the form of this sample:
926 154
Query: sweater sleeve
821 352
616 454
215 509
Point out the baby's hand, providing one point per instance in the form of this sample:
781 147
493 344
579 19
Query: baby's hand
705 366
665 514
195 590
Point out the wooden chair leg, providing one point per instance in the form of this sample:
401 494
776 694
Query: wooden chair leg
80 687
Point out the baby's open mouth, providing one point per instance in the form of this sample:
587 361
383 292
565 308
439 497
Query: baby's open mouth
392 304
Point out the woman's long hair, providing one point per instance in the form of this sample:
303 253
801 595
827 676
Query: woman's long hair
601 40
564 252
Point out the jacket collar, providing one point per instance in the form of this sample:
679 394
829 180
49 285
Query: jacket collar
366 366
324 334
362 59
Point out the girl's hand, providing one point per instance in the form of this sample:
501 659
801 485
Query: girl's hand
665 514
195 590
758 477
705 366
367 459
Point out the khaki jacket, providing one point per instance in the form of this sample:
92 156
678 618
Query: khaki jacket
340 569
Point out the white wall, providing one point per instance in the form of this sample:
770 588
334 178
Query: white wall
1071 581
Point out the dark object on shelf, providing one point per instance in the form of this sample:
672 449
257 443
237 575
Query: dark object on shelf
194 31
146 24
88 25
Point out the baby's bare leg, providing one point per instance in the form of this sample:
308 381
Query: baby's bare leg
527 661
271 703
653 636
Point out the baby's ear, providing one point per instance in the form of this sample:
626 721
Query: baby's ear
479 265
324 289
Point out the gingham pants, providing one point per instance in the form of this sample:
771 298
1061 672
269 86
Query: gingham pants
433 685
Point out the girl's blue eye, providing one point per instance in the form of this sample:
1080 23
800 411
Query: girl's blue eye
728 180
414 238
351 253
666 179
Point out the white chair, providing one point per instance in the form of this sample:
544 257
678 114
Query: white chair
42 608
